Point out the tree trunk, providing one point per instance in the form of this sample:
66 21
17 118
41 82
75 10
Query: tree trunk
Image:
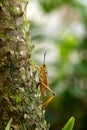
19 96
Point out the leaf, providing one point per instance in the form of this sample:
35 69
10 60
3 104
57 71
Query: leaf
9 125
70 124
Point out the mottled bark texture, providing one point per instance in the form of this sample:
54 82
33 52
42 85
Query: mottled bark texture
19 96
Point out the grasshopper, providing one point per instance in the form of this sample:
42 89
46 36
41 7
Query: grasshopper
43 82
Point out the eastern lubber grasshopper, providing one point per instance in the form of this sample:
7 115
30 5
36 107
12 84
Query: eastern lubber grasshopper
43 82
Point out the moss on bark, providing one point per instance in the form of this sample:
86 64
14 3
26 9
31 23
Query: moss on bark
19 96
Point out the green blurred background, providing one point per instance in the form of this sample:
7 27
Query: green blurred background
59 27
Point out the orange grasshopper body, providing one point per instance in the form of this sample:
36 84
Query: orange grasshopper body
43 82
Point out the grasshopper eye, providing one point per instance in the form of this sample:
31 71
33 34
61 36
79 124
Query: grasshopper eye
44 65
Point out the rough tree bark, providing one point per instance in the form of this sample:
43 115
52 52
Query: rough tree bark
19 97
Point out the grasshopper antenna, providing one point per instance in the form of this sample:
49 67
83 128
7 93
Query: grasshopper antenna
44 56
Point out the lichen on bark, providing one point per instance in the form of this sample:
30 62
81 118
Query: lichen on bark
19 95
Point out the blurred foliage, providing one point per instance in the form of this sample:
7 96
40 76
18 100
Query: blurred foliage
8 127
70 78
69 125
49 5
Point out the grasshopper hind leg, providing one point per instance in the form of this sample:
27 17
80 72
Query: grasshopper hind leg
47 102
